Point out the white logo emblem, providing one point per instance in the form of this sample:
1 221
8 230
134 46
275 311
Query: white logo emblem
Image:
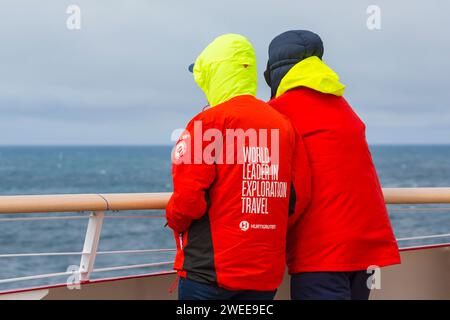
180 149
244 225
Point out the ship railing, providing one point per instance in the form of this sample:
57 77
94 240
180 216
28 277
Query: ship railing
99 204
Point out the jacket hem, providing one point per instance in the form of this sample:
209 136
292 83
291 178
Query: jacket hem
342 267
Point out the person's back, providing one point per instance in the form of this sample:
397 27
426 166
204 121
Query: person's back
248 209
346 227
232 175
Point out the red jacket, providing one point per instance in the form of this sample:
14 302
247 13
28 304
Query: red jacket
230 220
346 226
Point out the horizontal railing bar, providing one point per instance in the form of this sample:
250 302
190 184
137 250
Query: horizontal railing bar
59 274
83 202
433 236
136 251
136 217
427 246
44 218
158 201
40 254
49 254
52 203
417 209
80 218
36 277
134 266
416 195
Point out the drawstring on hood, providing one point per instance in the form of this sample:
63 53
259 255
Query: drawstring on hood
226 69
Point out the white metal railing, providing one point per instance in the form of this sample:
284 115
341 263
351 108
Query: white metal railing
98 204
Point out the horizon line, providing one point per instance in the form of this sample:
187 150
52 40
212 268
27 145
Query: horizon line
171 145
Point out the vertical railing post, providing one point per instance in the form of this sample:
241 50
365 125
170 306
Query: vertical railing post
91 242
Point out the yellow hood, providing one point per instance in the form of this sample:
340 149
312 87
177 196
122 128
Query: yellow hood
312 73
226 69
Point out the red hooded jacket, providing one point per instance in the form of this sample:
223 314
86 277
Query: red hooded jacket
346 226
230 219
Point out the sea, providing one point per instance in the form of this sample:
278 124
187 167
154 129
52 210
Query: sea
127 169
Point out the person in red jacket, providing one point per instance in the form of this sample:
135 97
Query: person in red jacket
232 181
346 229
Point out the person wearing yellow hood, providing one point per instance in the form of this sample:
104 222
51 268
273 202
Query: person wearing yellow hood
229 212
345 230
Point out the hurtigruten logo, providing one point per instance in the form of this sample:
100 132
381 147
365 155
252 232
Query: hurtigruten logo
244 225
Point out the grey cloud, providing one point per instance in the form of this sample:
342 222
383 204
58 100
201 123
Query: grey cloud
122 78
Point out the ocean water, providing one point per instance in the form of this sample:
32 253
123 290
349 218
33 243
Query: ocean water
56 170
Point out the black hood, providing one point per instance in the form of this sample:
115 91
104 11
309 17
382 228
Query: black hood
288 49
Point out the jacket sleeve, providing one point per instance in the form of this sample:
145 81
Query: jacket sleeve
301 182
192 177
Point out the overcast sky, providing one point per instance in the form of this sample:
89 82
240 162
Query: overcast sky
122 78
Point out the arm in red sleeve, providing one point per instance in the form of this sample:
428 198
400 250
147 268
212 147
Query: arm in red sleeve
192 178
